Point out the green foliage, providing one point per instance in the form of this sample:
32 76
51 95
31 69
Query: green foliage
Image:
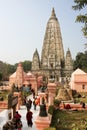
69 120
79 5
75 127
57 102
1 76
81 61
25 94
51 109
4 94
50 128
6 69
26 65
83 125
3 70
10 69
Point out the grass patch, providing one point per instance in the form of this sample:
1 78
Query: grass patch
50 128
69 120
83 97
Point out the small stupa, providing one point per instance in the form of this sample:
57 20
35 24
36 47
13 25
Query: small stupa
64 95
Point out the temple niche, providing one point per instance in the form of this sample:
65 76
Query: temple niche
53 63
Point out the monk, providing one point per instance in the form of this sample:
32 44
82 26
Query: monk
29 118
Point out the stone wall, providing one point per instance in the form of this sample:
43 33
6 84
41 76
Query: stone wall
3 105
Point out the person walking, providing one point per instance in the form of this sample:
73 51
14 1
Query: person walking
34 103
29 116
29 103
17 117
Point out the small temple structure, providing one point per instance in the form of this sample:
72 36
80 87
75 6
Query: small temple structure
21 78
79 81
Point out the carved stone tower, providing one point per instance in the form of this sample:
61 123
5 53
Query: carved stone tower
52 63
68 63
19 76
36 61
52 52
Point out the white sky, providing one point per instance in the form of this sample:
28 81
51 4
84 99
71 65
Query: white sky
23 24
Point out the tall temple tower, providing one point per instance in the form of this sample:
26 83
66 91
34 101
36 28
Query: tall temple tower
68 63
52 63
36 61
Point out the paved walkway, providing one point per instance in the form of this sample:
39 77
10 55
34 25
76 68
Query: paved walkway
23 112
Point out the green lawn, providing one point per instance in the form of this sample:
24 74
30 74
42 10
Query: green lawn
69 120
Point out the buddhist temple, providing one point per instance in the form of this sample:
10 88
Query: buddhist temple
53 63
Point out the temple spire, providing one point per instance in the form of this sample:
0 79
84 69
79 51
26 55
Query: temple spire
52 63
68 63
53 12
36 61
53 15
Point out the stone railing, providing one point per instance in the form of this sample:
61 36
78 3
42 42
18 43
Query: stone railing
73 106
3 105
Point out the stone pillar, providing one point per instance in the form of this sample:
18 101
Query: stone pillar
19 100
42 121
14 110
51 92
10 105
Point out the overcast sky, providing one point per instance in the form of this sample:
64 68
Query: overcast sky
23 24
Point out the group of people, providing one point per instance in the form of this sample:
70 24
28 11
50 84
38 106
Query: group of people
28 102
29 114
18 122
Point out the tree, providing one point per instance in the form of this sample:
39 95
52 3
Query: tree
26 65
81 61
6 69
80 4
1 76
10 69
